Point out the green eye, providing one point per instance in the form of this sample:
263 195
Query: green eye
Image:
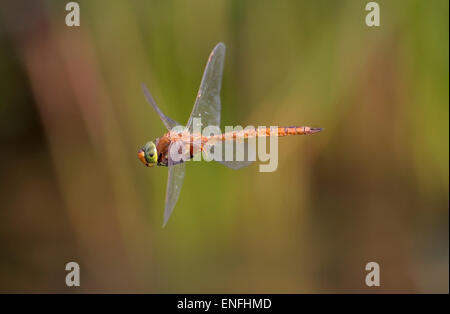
150 153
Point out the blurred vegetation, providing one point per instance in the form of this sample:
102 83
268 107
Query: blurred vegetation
372 187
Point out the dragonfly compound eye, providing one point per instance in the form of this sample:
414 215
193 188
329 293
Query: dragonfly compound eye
150 153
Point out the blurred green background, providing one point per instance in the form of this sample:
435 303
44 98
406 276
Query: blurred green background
372 187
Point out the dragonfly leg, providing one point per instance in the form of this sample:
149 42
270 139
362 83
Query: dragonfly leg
204 151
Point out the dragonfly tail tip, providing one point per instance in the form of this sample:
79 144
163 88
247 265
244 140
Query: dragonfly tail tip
316 130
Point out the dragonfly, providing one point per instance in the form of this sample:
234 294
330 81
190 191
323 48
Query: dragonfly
207 108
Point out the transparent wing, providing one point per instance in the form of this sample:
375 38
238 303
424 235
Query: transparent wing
236 164
174 183
207 104
236 154
169 123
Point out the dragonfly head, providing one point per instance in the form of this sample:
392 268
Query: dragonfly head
148 154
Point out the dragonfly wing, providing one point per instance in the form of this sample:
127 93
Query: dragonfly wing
174 183
169 123
238 154
207 104
236 164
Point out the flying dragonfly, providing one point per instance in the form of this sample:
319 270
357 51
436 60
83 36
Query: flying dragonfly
207 107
